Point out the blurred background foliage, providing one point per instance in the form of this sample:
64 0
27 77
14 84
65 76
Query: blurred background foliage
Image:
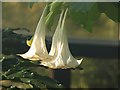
14 13
97 73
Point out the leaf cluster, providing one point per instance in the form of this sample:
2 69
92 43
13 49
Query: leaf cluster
83 13
17 73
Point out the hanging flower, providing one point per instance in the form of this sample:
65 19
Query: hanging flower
38 49
61 56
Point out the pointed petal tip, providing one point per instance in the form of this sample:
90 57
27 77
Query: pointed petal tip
19 55
79 61
33 58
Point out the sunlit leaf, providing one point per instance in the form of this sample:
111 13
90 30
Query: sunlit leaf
10 83
85 14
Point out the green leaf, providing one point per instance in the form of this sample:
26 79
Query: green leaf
11 83
17 69
54 10
35 82
31 77
11 41
12 64
85 15
30 4
8 61
50 18
110 9
79 6
55 6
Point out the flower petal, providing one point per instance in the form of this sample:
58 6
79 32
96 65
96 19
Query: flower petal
62 57
38 49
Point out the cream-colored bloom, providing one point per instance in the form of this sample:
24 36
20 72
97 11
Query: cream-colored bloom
61 56
38 49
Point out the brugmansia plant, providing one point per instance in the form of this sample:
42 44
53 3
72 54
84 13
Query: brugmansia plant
16 71
18 75
59 56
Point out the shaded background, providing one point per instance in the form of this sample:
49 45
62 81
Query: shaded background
97 73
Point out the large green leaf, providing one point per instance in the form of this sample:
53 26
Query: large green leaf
11 83
84 13
79 6
31 77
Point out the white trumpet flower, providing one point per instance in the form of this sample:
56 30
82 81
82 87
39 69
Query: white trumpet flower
38 49
61 55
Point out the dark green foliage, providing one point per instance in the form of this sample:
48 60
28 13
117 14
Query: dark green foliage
83 13
111 9
16 72
13 43
20 71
